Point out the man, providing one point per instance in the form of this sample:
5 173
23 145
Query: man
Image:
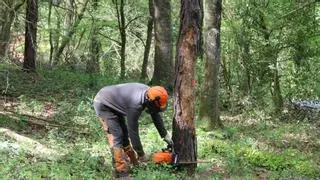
114 102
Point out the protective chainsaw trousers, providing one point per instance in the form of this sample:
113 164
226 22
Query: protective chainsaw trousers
116 133
119 164
131 154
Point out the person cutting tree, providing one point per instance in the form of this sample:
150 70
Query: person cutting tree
113 103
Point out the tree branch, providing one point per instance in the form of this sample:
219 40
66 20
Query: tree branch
130 21
17 6
119 43
139 37
303 6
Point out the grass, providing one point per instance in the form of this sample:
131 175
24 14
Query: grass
53 108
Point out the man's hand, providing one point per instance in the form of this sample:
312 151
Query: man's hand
142 159
168 140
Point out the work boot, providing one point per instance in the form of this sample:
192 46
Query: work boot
119 164
131 154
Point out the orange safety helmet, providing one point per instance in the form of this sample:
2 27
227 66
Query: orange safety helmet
159 95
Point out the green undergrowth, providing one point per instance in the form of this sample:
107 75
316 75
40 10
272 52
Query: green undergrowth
53 109
266 148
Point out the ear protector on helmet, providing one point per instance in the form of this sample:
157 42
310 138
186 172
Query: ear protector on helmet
156 99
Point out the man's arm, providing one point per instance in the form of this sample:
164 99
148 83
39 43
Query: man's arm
133 130
158 122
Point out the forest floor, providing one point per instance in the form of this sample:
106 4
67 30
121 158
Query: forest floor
48 129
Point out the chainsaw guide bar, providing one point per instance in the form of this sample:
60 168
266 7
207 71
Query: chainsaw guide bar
169 156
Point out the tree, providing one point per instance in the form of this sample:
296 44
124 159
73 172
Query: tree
163 63
31 35
95 45
209 104
184 135
66 39
50 33
148 41
123 35
7 15
262 38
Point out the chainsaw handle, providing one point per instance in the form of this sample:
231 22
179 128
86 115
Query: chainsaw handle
167 149
175 162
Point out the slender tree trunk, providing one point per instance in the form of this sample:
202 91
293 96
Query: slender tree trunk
56 36
226 75
272 53
244 56
30 47
5 26
93 62
70 33
163 60
50 33
148 42
184 135
276 91
69 16
123 35
209 105
7 15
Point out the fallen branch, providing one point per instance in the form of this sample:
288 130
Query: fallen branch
11 112
31 145
298 9
46 123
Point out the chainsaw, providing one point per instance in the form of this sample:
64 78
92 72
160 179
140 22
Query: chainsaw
169 156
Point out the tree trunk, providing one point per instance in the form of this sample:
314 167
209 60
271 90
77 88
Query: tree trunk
163 61
276 91
272 56
7 15
144 75
31 35
209 105
95 46
70 33
56 36
244 45
5 26
50 33
123 35
184 135
69 16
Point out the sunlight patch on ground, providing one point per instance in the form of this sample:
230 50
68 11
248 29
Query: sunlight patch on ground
7 103
15 105
302 137
245 119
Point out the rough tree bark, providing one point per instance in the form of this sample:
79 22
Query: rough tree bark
148 42
31 35
209 105
163 60
184 135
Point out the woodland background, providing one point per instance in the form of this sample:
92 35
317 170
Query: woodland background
259 120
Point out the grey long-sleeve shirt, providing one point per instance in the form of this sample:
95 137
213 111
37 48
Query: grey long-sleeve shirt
128 99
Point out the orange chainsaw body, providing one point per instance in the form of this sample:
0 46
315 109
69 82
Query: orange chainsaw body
164 157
